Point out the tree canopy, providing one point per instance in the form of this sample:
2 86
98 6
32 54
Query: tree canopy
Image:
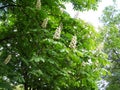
43 48
111 35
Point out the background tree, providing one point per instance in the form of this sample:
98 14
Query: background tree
111 37
43 48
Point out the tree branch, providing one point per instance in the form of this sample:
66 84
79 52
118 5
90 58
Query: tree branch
116 53
2 7
6 38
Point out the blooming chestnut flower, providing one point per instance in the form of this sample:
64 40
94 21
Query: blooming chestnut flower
73 42
38 4
44 24
8 59
58 32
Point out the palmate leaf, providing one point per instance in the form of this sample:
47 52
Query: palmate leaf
78 53
37 59
36 73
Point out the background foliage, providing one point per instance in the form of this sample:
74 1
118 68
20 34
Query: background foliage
111 35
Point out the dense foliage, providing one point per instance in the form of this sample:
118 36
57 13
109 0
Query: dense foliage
111 35
43 48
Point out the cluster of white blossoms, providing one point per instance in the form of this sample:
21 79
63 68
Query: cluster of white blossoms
76 15
8 59
73 42
58 32
57 36
44 24
38 4
62 10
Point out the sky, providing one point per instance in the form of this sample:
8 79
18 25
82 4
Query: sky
91 16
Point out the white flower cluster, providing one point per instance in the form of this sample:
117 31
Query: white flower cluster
62 10
8 59
44 24
38 4
76 15
58 32
73 42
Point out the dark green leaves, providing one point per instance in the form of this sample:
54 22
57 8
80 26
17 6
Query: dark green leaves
42 62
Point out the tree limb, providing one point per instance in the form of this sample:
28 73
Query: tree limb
116 53
6 38
2 7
